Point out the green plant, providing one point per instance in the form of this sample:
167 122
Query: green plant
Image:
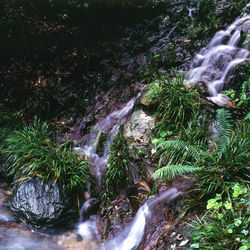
226 160
8 122
32 153
176 102
175 158
240 98
116 175
225 225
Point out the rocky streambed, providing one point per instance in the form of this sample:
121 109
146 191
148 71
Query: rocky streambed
159 222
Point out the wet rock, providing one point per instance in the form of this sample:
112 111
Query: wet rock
146 98
42 205
137 131
5 195
71 241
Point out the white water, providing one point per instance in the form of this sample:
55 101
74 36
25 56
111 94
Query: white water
213 64
110 126
132 235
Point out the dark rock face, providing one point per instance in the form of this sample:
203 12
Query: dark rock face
43 206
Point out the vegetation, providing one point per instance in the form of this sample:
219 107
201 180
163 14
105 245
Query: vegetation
225 224
176 103
58 56
221 169
31 153
116 176
226 159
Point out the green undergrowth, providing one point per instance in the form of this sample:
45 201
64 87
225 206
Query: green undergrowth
219 162
32 152
176 103
225 224
116 175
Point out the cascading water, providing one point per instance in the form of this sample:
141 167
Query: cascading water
213 64
131 237
110 126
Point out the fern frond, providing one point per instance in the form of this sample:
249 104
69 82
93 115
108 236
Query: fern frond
178 151
224 128
170 172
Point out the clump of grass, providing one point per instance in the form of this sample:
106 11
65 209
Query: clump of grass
116 176
176 102
32 153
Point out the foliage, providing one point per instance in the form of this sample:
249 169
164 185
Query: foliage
240 98
223 127
116 175
227 158
225 225
46 100
172 171
32 153
196 129
176 102
8 122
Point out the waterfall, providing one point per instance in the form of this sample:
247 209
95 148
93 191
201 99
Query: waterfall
213 64
132 235
110 126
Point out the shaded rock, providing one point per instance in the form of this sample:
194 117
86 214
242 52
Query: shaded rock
137 131
146 98
42 205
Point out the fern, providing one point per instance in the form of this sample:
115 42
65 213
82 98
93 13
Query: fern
170 172
178 151
224 128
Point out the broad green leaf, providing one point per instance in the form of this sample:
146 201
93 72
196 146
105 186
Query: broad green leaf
228 205
237 222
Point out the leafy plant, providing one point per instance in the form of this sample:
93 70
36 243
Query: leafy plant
172 171
32 153
227 158
240 98
176 102
116 175
225 225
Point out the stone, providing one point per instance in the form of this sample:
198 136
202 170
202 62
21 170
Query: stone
138 129
146 99
43 206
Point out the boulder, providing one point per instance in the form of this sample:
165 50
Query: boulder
43 206
137 132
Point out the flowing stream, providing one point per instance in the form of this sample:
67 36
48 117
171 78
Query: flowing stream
212 66
213 63
110 127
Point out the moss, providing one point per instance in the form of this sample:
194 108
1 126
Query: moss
101 143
